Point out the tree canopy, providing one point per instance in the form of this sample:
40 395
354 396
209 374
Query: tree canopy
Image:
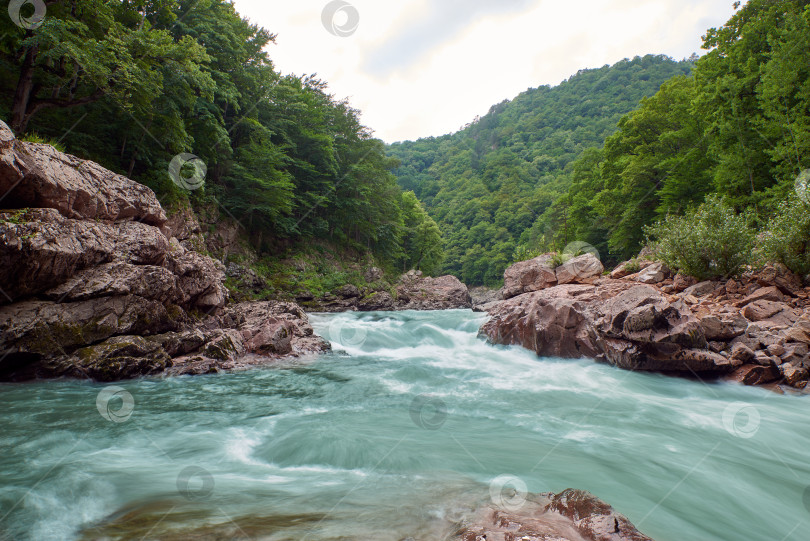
488 184
132 84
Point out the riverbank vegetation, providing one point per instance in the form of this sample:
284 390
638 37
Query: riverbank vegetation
132 85
734 124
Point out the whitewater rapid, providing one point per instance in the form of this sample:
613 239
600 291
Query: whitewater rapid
399 432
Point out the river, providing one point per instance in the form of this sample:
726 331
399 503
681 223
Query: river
399 433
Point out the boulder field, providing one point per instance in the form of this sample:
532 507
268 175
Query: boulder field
95 284
755 330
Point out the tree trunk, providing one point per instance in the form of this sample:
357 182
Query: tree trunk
22 95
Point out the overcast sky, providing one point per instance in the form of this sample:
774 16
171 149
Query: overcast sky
417 68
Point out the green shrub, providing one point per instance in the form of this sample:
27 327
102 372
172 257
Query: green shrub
787 237
35 138
558 258
710 241
633 266
524 253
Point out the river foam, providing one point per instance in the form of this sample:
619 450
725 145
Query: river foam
398 433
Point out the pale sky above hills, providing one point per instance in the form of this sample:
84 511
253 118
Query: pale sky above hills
417 68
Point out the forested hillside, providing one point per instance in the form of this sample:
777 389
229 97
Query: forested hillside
487 184
739 127
134 84
533 175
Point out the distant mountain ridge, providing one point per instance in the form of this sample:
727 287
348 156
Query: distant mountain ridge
487 183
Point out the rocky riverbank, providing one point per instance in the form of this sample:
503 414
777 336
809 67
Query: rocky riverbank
95 284
755 330
413 292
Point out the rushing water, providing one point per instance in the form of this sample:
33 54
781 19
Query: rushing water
397 434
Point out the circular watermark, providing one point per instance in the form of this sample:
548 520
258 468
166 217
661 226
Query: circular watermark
31 21
343 333
109 407
508 492
428 412
195 483
741 420
340 18
578 248
803 186
188 171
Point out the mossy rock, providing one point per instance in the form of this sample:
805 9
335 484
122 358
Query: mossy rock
121 357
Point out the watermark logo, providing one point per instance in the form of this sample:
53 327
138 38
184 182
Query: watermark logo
188 171
578 248
343 333
741 420
803 186
428 412
20 13
508 492
195 483
109 406
340 18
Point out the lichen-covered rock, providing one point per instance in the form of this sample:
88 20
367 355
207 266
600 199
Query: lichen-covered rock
37 175
653 274
120 357
39 249
118 278
199 279
33 331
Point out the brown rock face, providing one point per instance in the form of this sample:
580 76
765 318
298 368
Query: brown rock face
572 515
652 274
416 292
633 327
39 176
525 276
581 269
91 287
780 277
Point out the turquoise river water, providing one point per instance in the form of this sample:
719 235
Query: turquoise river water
399 433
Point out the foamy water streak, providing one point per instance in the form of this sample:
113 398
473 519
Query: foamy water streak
398 433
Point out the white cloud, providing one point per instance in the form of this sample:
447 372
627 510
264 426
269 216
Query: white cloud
416 68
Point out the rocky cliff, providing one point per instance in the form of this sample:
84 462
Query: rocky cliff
94 283
755 330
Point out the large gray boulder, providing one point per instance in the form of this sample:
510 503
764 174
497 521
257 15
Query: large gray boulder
39 176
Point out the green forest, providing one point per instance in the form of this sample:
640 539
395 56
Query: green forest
488 184
554 166
133 84
600 158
